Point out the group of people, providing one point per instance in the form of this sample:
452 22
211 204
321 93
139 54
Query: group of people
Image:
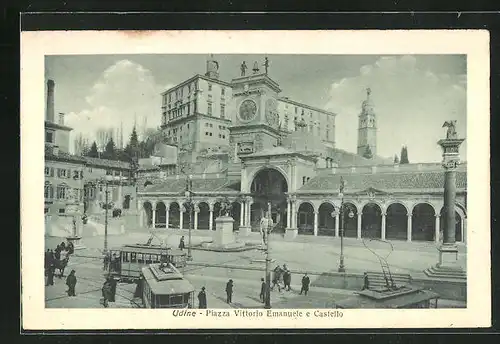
57 259
109 291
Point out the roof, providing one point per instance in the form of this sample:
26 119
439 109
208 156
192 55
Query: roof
199 185
176 285
288 100
140 248
54 125
194 77
383 181
399 301
345 158
62 156
107 163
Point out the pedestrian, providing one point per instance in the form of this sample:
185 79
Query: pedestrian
106 292
71 283
287 279
276 277
305 284
263 288
181 243
229 291
63 246
57 253
71 248
366 282
47 260
138 288
50 274
106 262
202 298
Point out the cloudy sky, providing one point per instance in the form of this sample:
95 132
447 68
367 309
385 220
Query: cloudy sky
413 95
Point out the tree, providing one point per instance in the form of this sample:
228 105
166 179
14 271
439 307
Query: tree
404 155
132 150
368 153
396 159
93 152
110 150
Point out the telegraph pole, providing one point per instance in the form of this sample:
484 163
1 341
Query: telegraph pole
106 221
268 259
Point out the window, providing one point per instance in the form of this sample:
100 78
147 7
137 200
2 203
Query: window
209 86
209 109
46 211
222 111
61 191
61 173
109 172
209 134
117 173
211 125
49 191
303 180
222 91
223 136
170 97
296 110
49 137
47 171
62 210
206 133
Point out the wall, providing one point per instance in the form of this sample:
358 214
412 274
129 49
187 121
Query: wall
74 184
62 140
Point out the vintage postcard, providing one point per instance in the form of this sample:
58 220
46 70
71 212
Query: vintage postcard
231 179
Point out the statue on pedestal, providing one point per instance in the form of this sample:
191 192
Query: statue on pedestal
266 64
225 207
451 132
255 67
243 68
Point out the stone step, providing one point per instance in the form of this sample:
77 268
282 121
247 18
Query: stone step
435 272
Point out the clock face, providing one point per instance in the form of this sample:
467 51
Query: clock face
248 110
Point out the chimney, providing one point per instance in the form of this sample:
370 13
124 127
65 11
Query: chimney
61 118
50 100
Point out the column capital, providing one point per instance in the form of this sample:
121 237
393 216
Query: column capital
437 215
409 215
384 214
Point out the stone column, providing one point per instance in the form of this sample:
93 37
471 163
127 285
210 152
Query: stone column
210 216
288 213
242 213
437 229
337 224
153 215
196 211
182 209
141 214
316 223
383 226
167 215
359 226
409 227
249 214
464 230
448 251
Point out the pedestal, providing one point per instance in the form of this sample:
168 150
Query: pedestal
224 231
75 240
245 230
448 266
291 233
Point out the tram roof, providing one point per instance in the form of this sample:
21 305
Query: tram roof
142 249
399 301
168 284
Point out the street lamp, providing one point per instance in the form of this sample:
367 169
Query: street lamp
189 197
268 258
106 207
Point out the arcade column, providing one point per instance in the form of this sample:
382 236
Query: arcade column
448 265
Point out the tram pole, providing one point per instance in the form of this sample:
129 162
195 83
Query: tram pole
268 259
106 205
341 194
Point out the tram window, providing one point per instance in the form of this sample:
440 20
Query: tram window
126 256
154 258
140 258
147 257
163 300
186 298
176 299
133 257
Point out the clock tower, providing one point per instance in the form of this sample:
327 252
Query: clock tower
256 121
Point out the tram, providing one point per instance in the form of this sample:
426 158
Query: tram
163 286
128 260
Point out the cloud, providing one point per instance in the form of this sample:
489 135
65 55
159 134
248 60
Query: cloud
123 93
411 105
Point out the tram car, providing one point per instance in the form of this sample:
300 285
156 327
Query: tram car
127 261
163 286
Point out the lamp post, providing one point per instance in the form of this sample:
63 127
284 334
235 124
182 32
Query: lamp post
189 197
341 194
268 258
106 208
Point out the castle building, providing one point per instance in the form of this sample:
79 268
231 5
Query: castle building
267 148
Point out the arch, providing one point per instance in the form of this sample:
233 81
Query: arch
462 208
458 223
311 203
305 218
424 202
203 216
347 223
254 173
423 222
396 221
269 185
326 222
174 215
147 183
389 203
147 207
160 215
371 220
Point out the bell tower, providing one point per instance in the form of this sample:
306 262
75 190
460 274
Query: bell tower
367 128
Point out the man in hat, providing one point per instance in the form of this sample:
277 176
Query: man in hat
71 283
263 288
229 291
202 298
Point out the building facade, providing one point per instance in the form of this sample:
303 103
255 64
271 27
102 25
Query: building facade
284 153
